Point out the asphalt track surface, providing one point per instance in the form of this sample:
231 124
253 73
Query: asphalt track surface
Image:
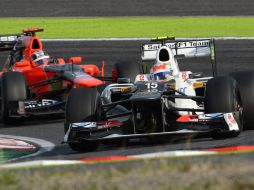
232 55
109 8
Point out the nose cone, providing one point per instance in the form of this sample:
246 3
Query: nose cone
87 82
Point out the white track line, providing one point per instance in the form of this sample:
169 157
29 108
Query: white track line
44 146
177 153
134 39
37 163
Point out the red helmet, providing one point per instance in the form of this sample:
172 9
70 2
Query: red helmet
162 71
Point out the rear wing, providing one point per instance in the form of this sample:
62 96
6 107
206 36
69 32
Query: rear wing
7 42
181 49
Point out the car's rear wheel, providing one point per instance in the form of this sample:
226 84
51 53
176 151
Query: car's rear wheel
223 96
83 104
13 90
128 69
245 81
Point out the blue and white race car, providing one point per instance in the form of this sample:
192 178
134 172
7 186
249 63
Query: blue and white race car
156 100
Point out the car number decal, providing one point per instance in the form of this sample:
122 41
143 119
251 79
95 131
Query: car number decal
152 85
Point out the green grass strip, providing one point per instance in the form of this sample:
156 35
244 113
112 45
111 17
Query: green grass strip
133 26
10 154
235 173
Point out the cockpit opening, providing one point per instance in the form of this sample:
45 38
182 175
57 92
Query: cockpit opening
36 44
163 55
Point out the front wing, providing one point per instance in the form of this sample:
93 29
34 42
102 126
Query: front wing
197 126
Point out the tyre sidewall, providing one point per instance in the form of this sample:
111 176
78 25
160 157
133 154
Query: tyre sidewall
83 104
221 95
245 80
13 90
128 69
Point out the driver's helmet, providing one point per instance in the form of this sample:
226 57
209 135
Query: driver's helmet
39 58
162 72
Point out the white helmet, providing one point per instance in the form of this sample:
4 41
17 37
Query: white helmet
40 58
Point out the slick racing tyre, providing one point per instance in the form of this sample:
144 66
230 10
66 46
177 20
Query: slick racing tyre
223 96
245 81
83 104
128 69
13 90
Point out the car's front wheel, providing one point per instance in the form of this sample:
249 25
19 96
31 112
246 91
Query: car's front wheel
245 81
13 89
83 104
223 96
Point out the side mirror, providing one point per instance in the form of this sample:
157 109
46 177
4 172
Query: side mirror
75 60
22 64
123 80
60 61
196 75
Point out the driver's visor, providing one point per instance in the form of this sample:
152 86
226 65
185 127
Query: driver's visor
163 75
42 61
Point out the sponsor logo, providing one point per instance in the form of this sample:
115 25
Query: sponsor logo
42 103
231 119
187 44
141 77
109 124
184 75
8 38
193 119
84 125
232 124
210 116
98 125
182 90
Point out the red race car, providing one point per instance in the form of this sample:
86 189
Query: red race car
32 83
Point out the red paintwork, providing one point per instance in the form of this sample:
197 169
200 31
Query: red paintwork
91 69
106 159
162 66
34 74
231 149
87 82
187 118
75 60
27 30
60 61
114 75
